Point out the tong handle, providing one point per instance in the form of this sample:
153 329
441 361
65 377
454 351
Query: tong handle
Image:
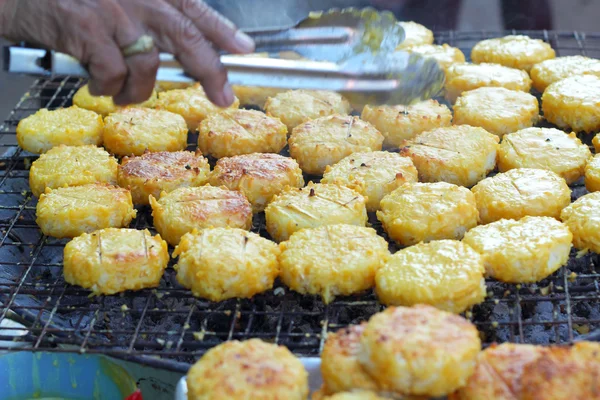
287 39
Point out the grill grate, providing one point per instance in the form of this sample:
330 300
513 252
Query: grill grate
170 323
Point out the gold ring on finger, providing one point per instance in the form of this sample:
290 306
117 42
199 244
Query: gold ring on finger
145 44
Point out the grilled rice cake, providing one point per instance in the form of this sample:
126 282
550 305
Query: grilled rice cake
256 96
414 34
544 148
251 369
163 171
419 350
521 192
596 143
324 141
583 219
223 263
573 103
563 373
234 132
496 109
373 174
112 260
185 209
259 176
104 105
191 103
68 212
461 154
295 107
163 86
313 206
421 212
515 51
360 395
399 123
592 174
72 126
340 368
523 251
499 372
72 166
552 70
464 77
332 260
133 131
446 274
444 54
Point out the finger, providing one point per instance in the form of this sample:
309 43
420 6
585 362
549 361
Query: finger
214 26
202 62
141 78
141 68
178 35
107 69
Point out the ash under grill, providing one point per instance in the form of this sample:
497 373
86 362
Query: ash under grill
169 322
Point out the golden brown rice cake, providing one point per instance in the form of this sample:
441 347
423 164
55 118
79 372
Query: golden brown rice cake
72 126
234 132
523 251
313 206
563 373
187 208
224 263
464 77
70 211
340 368
373 174
258 176
295 107
462 154
592 174
104 105
499 371
583 219
497 110
399 123
521 192
191 103
133 131
573 103
419 350
164 171
421 212
550 71
544 148
414 34
114 260
332 260
72 166
243 370
324 141
515 51
446 274
444 54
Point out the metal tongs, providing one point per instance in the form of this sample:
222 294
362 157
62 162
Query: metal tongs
349 51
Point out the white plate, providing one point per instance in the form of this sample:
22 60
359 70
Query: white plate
312 365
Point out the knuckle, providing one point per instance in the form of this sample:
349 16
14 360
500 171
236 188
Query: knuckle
195 9
186 32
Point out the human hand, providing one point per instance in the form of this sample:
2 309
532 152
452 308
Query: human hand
96 31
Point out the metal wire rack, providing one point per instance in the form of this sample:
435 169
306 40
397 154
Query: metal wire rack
169 328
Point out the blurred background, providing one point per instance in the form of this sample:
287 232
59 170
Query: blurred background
465 15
